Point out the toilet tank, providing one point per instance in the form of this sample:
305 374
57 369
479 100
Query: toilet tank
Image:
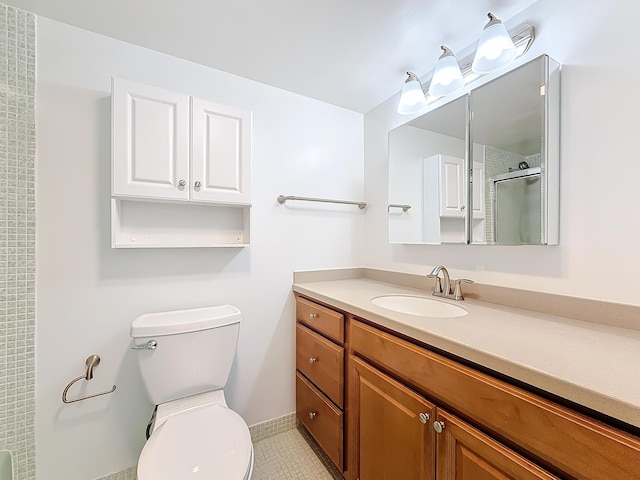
194 350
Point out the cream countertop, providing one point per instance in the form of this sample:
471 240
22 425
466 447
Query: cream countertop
591 364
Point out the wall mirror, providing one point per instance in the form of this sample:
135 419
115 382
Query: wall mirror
483 168
515 141
427 188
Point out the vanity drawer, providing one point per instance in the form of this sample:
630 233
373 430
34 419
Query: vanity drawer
574 443
321 319
321 361
321 418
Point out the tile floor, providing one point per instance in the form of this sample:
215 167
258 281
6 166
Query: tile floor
288 455
291 455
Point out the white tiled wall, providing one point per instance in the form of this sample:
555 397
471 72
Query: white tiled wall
17 239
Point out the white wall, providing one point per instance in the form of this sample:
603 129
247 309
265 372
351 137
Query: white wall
88 293
598 252
410 146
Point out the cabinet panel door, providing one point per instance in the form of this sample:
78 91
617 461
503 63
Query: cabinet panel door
221 153
465 453
150 128
322 362
478 190
388 440
451 186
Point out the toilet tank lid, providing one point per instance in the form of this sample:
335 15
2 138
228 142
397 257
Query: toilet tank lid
184 321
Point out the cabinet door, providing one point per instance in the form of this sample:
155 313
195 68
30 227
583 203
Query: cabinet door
221 153
388 439
478 190
451 186
465 453
150 144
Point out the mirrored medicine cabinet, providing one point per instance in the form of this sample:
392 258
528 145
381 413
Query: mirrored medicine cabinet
483 168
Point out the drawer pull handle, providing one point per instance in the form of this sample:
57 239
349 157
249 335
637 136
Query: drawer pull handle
313 360
438 426
312 415
313 316
424 417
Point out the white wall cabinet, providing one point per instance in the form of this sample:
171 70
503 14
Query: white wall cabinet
150 152
478 179
168 148
220 149
445 199
451 183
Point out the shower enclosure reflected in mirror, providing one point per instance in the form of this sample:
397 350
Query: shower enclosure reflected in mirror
504 137
514 137
427 173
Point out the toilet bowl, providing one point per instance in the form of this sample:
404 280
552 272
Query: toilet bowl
202 439
185 358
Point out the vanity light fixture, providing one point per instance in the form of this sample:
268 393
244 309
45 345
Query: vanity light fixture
447 77
414 96
495 48
412 99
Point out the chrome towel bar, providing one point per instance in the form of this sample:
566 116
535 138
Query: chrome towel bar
283 198
397 205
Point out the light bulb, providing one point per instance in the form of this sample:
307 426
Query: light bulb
495 48
447 77
412 99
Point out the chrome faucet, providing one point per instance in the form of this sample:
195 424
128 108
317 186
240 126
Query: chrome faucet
443 288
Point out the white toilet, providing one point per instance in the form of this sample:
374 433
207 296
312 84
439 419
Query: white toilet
185 358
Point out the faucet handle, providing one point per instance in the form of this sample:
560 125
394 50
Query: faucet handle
457 288
438 284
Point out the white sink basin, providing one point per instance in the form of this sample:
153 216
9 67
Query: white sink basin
419 306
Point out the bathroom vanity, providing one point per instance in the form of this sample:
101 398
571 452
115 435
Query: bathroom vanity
499 392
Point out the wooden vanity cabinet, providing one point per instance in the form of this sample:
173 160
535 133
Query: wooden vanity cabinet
390 427
465 453
499 431
320 365
393 437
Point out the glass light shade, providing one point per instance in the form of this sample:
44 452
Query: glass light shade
495 48
447 77
412 99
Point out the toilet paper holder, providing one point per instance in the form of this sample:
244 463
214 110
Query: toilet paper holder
91 362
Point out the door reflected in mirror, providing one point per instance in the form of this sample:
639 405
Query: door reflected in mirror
427 172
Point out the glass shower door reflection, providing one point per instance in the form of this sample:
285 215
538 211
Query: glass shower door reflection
518 214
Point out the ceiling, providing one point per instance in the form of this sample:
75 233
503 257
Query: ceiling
351 53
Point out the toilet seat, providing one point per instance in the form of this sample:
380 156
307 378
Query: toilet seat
212 442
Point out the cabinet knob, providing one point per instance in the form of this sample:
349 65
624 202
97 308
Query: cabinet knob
197 184
182 183
424 417
462 207
438 426
312 415
313 360
313 316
